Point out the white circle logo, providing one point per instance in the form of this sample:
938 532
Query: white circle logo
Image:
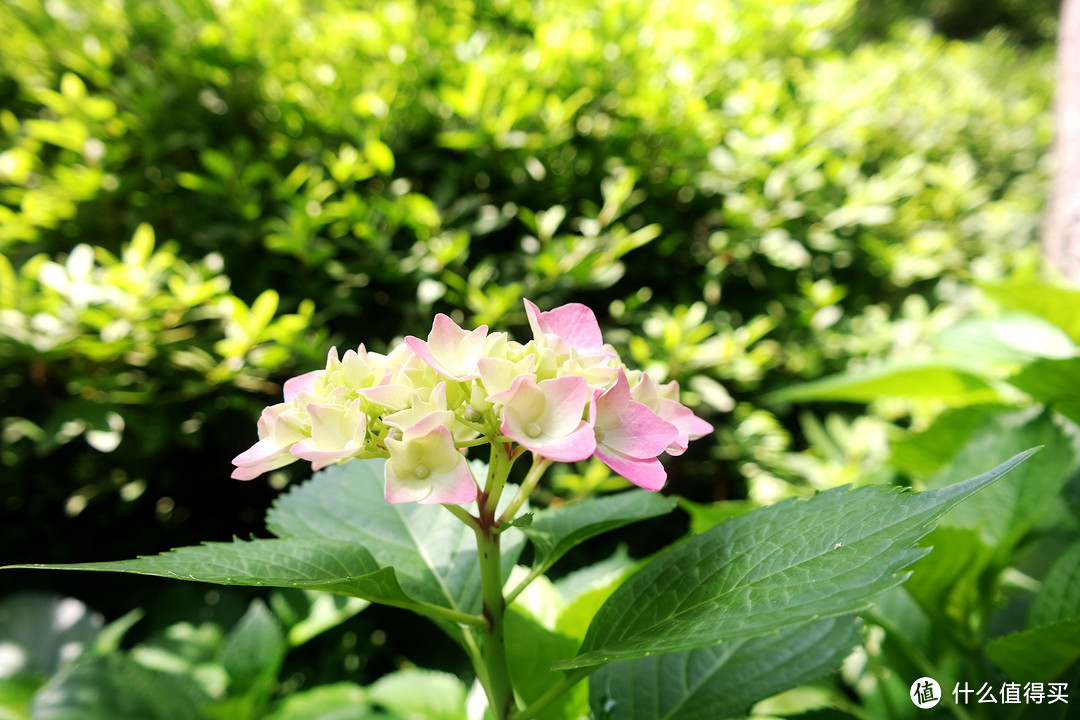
925 693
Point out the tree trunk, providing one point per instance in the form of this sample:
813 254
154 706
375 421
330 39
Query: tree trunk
1061 228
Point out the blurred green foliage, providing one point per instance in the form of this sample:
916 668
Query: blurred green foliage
197 198
748 194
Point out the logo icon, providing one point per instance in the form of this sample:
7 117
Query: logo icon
925 693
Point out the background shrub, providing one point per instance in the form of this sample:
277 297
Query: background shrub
749 194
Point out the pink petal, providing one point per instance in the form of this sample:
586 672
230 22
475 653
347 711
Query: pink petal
573 323
640 434
648 474
397 491
630 427
578 445
565 399
261 457
454 488
301 383
306 450
450 350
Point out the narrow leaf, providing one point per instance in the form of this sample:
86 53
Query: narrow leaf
556 530
940 382
329 565
774 568
721 681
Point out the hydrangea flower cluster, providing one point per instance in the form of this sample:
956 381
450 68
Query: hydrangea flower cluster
565 396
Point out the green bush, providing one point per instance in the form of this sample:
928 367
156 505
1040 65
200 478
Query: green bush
752 190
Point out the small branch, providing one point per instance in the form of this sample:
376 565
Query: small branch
454 616
534 572
540 464
568 681
463 515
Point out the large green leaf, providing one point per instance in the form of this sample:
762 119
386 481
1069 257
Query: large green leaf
1059 596
41 631
329 565
1053 382
721 681
554 531
339 701
949 583
252 656
1040 654
1005 340
924 452
1008 510
1052 303
909 380
774 568
427 694
432 552
114 686
530 650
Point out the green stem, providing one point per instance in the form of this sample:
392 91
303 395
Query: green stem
500 692
463 515
539 465
535 572
454 616
553 693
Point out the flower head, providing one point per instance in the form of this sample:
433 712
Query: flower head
564 396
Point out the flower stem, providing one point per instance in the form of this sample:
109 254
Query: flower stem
493 650
539 465
454 616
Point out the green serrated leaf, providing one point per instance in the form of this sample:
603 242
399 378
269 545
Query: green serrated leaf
774 568
432 552
522 521
721 681
1040 654
1059 596
554 531
329 565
